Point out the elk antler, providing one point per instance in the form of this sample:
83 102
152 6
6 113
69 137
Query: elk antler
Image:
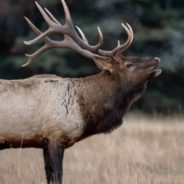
71 38
120 48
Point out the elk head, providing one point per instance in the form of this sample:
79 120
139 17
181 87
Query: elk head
131 69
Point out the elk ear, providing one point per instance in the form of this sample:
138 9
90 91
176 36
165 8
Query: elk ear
104 63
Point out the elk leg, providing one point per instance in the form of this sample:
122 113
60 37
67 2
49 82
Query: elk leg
53 158
48 168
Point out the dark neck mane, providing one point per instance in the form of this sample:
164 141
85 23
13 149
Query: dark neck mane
104 104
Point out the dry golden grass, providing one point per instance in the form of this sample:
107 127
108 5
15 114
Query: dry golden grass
143 151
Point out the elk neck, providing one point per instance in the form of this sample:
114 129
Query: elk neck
103 100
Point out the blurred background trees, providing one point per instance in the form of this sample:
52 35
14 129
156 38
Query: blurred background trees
159 31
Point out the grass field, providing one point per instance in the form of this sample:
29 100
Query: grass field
145 150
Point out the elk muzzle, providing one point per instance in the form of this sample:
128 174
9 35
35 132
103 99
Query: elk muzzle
153 69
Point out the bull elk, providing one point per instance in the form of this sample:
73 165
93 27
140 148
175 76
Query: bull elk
53 113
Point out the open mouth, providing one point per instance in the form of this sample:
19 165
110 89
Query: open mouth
155 71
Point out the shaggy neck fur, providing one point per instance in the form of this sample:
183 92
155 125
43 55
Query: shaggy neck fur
105 102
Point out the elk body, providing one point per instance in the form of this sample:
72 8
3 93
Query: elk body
52 113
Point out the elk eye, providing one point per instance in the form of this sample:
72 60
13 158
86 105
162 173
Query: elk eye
129 65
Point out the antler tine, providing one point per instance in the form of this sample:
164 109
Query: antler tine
124 46
45 16
119 43
99 44
93 48
35 30
38 38
67 13
52 16
31 57
120 48
131 31
82 34
33 27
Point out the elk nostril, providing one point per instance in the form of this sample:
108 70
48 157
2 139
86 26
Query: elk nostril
157 59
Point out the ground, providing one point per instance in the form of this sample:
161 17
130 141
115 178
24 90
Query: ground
145 150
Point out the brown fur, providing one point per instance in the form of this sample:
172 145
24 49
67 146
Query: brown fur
11 142
103 104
